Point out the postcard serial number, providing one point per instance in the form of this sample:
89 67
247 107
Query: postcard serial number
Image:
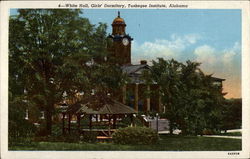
233 153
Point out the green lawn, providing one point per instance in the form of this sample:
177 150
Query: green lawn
166 143
231 134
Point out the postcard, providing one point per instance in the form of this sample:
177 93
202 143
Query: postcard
127 79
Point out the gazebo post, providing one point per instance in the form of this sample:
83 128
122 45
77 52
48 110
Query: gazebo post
108 109
90 121
63 123
69 122
132 119
96 117
79 122
114 121
109 124
101 117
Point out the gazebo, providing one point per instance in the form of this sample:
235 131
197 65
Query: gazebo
104 110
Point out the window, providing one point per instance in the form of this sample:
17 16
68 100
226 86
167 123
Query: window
42 116
26 114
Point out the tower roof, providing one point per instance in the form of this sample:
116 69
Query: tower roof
118 20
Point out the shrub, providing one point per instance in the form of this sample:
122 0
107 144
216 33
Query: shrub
210 132
56 129
76 137
71 138
89 137
207 132
20 132
41 131
135 135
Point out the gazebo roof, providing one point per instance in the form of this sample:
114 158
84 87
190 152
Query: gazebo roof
110 107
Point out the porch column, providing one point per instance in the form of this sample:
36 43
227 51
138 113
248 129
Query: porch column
148 99
124 94
136 96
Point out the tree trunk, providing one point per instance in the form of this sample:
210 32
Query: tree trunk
171 127
183 128
48 121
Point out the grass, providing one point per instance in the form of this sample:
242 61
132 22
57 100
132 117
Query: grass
166 143
231 134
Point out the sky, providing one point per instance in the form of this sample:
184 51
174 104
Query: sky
212 37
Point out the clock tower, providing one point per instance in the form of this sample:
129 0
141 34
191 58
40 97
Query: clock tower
120 46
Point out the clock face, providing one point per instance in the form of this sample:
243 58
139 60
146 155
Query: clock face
125 41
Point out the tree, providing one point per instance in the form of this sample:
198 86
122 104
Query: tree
106 81
192 101
167 76
232 114
49 52
19 127
202 100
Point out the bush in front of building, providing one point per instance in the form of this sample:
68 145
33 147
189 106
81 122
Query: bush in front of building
21 129
207 132
20 132
71 138
89 137
135 135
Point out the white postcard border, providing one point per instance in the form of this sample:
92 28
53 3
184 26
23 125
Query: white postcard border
5 154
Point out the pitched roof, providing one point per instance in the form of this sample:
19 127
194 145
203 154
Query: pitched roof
113 108
129 69
218 79
110 106
135 72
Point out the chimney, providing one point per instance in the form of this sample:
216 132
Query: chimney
143 62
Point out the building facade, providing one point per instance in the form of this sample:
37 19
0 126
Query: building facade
134 93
